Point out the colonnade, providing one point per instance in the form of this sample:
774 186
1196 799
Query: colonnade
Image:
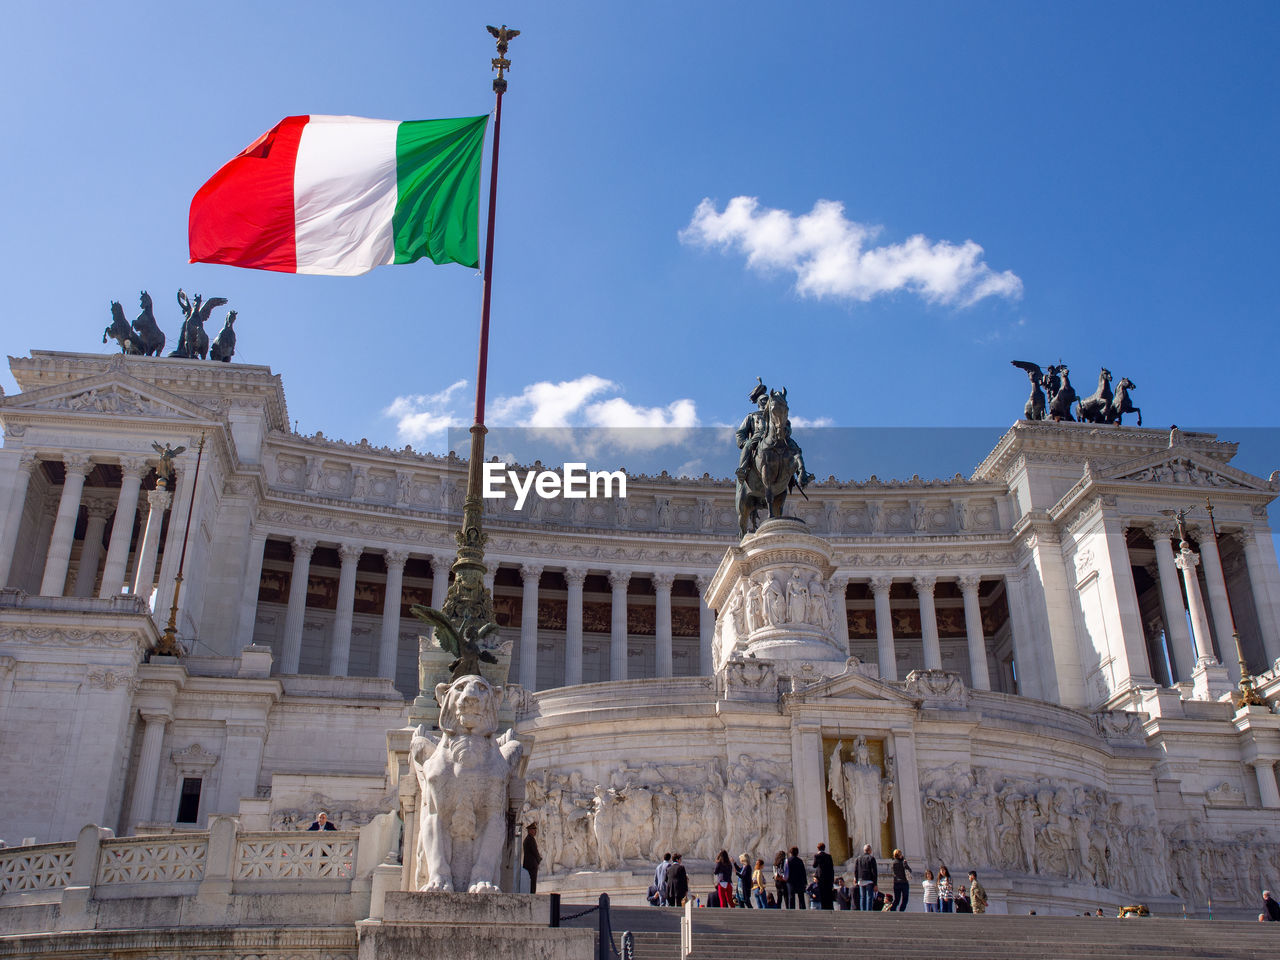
119 506
1176 576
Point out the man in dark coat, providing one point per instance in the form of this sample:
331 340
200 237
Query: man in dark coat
532 856
865 870
677 880
824 869
797 879
321 822
1269 903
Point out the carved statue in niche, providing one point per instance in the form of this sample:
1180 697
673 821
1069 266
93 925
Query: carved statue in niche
755 606
819 611
775 602
855 785
797 597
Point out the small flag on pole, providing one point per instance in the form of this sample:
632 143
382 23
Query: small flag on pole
342 195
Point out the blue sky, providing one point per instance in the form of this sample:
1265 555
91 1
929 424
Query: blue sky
691 195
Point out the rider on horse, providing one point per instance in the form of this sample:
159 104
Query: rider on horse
752 431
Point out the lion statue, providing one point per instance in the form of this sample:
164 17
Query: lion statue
465 778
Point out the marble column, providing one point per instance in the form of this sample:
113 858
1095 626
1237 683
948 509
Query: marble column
1031 682
144 579
91 550
295 615
1263 600
1265 771
928 621
144 786
340 644
27 464
1187 562
838 597
574 577
662 623
1175 615
247 622
64 528
706 630
440 567
885 651
980 678
132 469
531 576
618 580
389 645
1219 606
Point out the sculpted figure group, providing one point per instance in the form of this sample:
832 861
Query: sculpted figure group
144 338
1052 396
644 810
1078 832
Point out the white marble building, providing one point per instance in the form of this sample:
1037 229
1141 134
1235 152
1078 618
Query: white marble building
1038 669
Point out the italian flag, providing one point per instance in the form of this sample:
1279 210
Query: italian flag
342 195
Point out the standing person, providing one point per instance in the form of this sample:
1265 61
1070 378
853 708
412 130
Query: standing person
930 887
321 822
866 873
811 891
780 877
797 879
978 896
901 882
946 892
677 880
757 885
743 870
844 895
532 856
824 871
660 876
723 871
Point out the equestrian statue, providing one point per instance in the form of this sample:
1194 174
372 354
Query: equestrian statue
122 332
771 464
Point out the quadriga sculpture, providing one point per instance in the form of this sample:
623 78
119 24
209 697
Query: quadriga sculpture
465 778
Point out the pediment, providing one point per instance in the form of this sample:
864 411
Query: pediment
113 394
1180 466
857 682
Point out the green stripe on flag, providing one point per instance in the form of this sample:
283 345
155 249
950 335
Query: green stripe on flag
438 190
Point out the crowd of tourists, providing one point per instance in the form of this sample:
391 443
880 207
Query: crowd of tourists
789 884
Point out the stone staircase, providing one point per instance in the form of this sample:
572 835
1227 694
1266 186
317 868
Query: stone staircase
817 935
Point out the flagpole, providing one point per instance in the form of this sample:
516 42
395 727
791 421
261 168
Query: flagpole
469 604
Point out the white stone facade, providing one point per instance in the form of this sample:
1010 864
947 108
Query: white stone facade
1026 651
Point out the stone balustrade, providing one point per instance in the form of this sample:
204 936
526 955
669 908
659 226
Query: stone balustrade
101 867
44 866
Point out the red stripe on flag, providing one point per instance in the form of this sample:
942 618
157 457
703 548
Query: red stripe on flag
244 214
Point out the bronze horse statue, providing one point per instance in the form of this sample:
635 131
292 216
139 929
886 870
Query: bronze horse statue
150 335
1121 404
773 468
193 342
1097 408
1064 395
121 331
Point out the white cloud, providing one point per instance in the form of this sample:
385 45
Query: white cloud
828 254
425 418
546 404
577 414
816 422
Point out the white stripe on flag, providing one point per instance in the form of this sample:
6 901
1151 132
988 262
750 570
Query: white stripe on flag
344 195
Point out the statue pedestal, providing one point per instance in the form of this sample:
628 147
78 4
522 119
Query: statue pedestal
1210 681
774 598
465 926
